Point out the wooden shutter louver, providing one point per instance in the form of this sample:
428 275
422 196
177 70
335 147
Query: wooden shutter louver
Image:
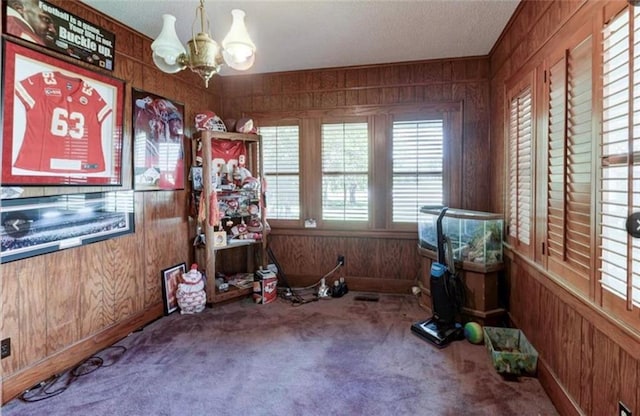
520 180
569 174
620 164
555 159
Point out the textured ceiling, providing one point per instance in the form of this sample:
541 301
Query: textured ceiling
304 34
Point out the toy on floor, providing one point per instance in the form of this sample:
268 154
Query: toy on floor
191 294
473 332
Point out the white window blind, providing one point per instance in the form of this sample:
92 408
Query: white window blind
281 165
620 163
520 181
345 172
417 167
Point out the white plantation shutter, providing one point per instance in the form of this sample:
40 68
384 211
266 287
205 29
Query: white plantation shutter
520 181
281 165
620 163
345 171
569 173
417 167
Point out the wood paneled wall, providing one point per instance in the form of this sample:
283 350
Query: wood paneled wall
374 261
588 360
60 308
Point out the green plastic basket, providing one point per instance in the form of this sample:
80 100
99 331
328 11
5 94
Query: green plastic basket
510 351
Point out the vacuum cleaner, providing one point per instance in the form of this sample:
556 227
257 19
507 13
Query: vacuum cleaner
446 293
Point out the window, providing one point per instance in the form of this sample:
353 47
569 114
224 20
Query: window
417 167
620 162
520 173
281 155
345 171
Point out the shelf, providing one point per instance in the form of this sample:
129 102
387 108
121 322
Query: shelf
229 136
232 293
240 243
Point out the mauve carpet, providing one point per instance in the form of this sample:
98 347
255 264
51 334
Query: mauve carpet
331 357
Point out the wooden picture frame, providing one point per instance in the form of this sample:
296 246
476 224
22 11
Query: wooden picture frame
40 225
62 124
170 280
158 142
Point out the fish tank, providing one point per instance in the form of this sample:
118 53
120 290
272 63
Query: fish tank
476 237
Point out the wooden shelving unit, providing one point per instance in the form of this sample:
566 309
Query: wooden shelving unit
208 255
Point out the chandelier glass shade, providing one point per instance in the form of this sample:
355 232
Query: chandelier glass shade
204 55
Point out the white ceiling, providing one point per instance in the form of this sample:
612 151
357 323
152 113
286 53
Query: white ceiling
308 34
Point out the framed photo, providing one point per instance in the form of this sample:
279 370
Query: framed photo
158 136
62 124
219 238
196 178
170 280
34 226
50 26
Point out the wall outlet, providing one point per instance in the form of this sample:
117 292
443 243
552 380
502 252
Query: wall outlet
5 348
623 410
341 259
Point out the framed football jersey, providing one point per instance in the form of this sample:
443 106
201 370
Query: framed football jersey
62 124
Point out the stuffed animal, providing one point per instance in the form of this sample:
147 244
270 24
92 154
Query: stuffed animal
191 294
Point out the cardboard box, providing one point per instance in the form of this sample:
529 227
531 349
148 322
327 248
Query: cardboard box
510 351
265 286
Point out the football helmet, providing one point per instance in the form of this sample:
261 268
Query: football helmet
246 125
208 120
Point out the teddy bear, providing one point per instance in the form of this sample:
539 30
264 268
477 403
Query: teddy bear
191 294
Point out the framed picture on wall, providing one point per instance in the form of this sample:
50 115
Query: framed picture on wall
40 225
158 149
62 124
53 27
170 280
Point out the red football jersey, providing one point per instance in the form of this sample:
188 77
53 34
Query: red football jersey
231 153
228 152
64 118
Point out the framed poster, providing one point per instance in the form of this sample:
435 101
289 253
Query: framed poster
47 25
158 149
33 226
62 124
170 279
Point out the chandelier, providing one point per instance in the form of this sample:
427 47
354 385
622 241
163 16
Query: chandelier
205 56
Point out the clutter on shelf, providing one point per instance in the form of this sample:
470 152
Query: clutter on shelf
209 120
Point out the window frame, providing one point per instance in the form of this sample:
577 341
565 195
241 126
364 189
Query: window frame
336 223
622 308
285 123
446 143
380 119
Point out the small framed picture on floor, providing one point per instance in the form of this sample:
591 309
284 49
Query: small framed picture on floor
170 280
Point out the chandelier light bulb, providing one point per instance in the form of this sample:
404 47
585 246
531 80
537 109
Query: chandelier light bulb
167 47
204 56
237 44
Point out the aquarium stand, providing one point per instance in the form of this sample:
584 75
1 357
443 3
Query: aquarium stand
481 286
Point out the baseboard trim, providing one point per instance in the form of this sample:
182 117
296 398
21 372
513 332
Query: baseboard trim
16 383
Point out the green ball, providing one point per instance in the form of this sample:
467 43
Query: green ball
473 332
